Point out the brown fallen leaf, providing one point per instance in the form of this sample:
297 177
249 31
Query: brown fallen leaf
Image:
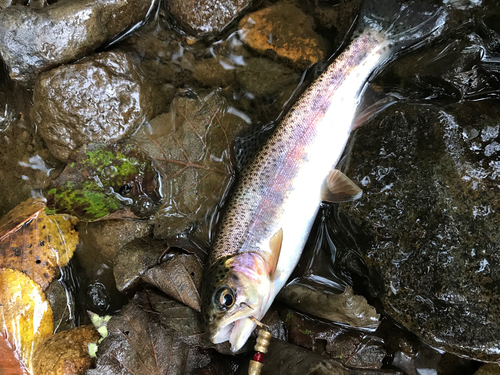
35 243
179 277
9 364
179 274
25 314
191 148
133 260
19 215
154 335
65 353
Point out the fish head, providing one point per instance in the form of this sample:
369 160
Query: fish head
235 289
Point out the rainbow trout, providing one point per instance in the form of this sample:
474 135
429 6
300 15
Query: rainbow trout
272 209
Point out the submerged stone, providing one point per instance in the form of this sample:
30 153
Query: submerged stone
286 30
205 17
263 77
427 225
65 352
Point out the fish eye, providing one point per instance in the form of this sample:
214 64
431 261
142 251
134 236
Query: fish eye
225 298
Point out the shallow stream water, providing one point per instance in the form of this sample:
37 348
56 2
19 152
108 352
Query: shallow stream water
426 261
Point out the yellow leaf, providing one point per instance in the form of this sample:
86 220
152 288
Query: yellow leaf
25 315
35 243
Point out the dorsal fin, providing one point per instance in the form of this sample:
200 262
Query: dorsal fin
275 245
339 188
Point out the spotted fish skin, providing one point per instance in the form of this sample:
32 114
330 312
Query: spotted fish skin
280 191
257 202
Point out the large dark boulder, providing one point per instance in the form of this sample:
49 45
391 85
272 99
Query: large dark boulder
427 225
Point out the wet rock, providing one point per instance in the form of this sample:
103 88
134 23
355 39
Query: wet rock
100 243
214 72
286 30
5 4
12 101
98 298
66 30
65 353
25 164
286 358
346 307
427 224
102 240
410 354
156 51
352 348
262 77
62 304
276 325
337 19
488 369
159 54
102 98
205 17
38 3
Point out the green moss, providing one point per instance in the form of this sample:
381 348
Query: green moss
86 186
100 159
306 331
50 211
100 204
85 204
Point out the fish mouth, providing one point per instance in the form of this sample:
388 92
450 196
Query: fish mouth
237 331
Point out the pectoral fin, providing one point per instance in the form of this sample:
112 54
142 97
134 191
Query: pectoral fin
275 245
339 188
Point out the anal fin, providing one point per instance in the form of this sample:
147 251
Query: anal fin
373 101
339 188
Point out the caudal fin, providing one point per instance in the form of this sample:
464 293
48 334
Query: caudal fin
404 22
